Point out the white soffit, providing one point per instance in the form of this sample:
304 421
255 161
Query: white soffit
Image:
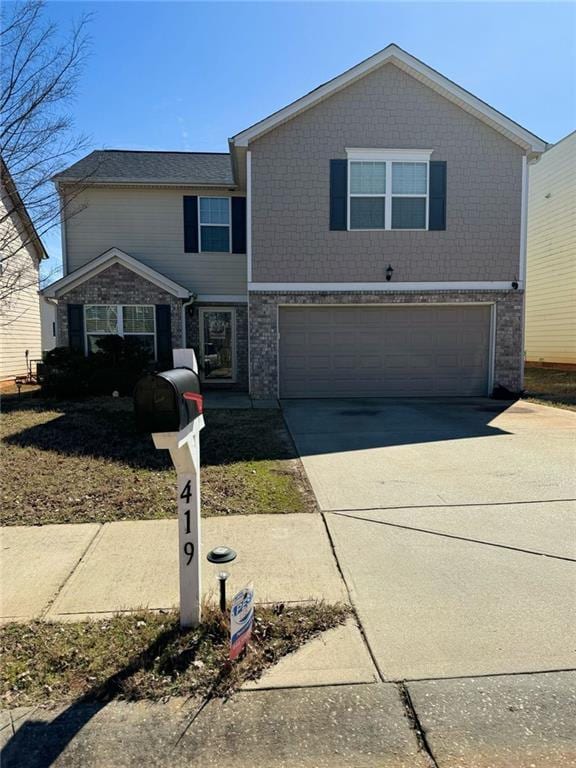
392 54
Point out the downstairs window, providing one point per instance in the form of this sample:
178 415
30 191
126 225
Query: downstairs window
136 323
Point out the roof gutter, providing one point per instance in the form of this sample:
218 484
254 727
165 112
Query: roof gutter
58 180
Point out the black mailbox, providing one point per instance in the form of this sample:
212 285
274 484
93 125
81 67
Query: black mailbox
167 401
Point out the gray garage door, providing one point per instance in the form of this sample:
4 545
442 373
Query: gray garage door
414 351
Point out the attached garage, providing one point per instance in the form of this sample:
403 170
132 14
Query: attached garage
384 351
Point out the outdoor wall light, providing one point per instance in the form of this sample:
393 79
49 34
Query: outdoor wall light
219 556
389 273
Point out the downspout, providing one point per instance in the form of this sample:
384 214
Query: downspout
53 303
63 238
249 257
188 303
527 161
522 269
523 222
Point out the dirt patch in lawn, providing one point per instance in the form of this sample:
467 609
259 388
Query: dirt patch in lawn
147 655
551 386
85 461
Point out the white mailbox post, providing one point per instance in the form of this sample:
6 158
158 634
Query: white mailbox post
184 447
184 450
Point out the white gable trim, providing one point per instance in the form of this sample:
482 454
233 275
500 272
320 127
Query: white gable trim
105 260
395 55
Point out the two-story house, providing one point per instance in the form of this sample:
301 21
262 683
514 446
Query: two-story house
369 239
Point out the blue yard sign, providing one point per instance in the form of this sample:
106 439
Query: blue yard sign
241 620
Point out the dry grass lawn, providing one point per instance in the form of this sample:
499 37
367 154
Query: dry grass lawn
147 655
551 386
84 461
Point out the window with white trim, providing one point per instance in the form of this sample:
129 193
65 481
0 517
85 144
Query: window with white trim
214 224
136 323
388 189
367 195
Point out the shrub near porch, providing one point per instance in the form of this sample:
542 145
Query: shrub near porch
84 461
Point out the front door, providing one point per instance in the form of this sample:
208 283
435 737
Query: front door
217 345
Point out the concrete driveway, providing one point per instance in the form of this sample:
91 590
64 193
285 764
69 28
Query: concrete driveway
453 524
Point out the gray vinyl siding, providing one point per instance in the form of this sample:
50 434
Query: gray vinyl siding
147 223
292 241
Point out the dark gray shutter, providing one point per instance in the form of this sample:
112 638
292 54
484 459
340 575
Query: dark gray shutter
164 335
338 194
190 224
76 327
437 210
238 225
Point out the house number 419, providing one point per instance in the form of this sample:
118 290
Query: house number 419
188 546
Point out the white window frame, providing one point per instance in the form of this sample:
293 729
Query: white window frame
232 311
120 325
389 156
229 225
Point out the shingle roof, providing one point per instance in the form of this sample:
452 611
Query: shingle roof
117 165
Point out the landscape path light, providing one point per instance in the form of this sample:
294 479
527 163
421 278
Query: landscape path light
220 556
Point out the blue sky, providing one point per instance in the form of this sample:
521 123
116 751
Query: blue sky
186 75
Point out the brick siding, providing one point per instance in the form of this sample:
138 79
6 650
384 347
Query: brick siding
118 285
264 331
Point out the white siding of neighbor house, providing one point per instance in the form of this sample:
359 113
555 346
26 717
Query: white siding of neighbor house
551 260
20 312
148 224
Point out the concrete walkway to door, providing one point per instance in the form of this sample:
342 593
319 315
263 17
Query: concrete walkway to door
453 524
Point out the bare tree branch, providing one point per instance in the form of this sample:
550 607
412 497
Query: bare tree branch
39 75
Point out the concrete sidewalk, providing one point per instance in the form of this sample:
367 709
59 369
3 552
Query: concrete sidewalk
237 401
71 572
521 721
360 726
77 572
323 706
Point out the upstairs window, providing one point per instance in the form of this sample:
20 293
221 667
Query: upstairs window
409 195
214 223
367 195
388 189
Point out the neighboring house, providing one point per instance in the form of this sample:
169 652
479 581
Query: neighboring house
21 254
551 265
368 239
